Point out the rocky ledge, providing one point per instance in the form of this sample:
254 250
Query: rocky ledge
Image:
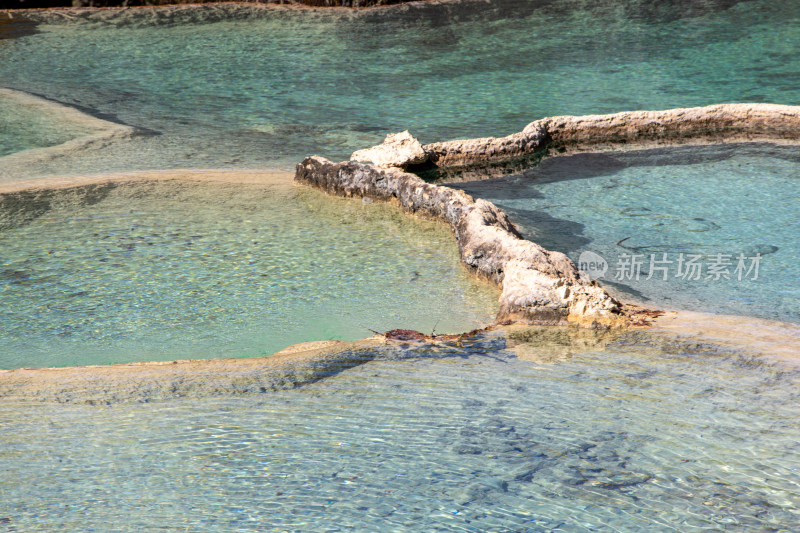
715 123
538 286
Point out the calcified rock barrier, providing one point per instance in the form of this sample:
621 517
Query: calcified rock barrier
715 123
293 367
538 286
397 150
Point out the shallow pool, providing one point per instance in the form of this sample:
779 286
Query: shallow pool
629 433
168 270
663 218
250 87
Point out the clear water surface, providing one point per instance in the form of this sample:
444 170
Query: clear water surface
178 270
715 204
631 434
228 87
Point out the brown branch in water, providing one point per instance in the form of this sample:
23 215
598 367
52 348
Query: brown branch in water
413 335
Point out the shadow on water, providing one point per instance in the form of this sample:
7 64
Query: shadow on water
477 171
538 225
93 112
626 290
550 167
20 208
533 168
523 175
16 27
574 167
712 153
553 233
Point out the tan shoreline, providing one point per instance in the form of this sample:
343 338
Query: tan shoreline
301 364
234 176
289 368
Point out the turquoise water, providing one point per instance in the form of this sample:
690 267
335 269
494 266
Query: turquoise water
161 271
244 87
642 435
652 206
239 87
608 434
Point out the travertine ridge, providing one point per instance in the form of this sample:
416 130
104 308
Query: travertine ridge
538 286
715 123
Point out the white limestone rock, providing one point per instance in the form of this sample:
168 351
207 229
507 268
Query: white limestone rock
398 150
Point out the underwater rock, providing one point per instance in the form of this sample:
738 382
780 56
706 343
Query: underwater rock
549 345
479 490
397 150
405 335
760 249
525 472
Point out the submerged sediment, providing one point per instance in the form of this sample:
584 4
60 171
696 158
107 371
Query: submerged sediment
98 133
